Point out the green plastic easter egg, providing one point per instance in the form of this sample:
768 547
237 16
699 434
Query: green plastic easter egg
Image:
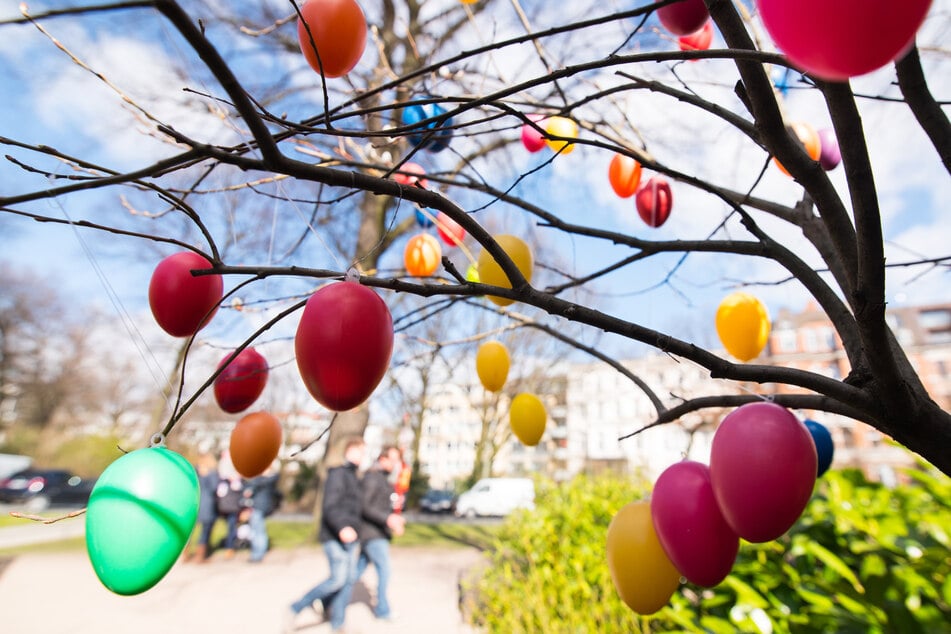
139 518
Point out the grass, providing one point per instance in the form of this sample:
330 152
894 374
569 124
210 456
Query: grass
296 534
444 535
447 535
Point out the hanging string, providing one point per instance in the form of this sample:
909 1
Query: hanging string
138 340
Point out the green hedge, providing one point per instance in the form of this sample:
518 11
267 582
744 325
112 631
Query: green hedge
862 558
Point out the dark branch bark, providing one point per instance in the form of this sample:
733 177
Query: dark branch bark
930 115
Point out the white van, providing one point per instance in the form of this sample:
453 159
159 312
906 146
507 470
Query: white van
496 496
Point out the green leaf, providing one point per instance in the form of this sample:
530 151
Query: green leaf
821 602
745 593
827 557
716 625
873 566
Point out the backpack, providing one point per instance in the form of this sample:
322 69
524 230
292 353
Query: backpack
228 499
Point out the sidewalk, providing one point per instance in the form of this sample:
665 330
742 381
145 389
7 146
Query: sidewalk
56 593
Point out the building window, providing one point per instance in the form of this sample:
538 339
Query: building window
785 341
939 319
809 340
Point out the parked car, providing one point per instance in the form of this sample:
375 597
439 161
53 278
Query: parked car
38 489
496 496
437 501
11 463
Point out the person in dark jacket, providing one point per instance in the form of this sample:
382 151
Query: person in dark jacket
263 493
380 524
340 517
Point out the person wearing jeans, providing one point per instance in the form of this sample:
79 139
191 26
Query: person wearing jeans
340 517
379 524
335 591
263 493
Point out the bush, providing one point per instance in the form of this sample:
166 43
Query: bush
862 558
547 572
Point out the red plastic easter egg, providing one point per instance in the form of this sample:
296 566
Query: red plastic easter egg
242 381
763 468
624 174
411 175
699 41
685 17
255 442
182 303
338 28
343 344
845 38
449 230
422 255
654 201
532 139
690 525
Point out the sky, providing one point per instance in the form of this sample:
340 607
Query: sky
50 100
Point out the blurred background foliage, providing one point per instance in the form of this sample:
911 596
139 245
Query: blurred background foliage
862 558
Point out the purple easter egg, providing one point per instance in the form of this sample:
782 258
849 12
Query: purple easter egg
829 156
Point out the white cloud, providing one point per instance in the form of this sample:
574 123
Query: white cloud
143 81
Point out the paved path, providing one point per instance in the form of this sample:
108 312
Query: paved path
59 593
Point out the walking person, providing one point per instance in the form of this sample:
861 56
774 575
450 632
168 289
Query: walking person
339 520
379 524
207 468
264 500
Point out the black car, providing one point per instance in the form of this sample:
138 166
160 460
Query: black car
38 489
437 501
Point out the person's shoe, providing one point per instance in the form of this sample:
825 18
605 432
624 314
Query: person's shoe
228 553
199 555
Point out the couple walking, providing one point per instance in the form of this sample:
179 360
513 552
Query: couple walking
357 523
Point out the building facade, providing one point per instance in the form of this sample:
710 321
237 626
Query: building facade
594 410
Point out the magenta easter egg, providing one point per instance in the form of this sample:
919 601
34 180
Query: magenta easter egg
829 155
690 525
845 38
763 468
242 381
343 344
411 175
450 231
532 138
684 17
